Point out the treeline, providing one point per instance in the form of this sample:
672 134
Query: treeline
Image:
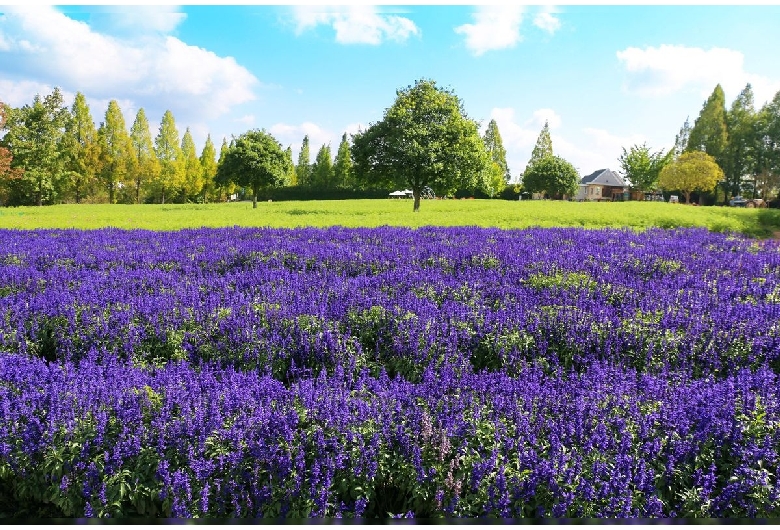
741 144
51 153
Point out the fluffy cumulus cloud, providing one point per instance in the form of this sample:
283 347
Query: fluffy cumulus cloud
141 18
356 24
588 149
45 45
494 28
668 69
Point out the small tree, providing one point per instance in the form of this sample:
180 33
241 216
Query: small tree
146 165
495 148
303 169
208 161
553 176
543 147
642 167
255 160
693 171
168 150
193 171
342 169
424 140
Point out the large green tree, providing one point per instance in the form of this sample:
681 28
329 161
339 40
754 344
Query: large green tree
303 168
710 132
692 171
743 139
681 140
34 136
168 150
424 140
342 168
146 167
193 172
642 167
496 150
322 169
552 176
81 150
254 160
768 151
116 151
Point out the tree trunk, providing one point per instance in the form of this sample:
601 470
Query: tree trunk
111 194
416 194
163 197
688 197
137 191
254 198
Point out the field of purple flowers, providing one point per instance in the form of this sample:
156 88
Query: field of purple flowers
377 372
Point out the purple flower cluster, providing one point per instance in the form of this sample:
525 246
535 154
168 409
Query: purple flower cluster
389 372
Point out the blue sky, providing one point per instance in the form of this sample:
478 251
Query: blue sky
603 76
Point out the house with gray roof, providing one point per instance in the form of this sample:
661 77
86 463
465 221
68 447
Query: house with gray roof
603 185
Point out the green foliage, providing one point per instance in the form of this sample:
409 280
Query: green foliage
34 136
693 171
303 168
116 151
146 165
551 175
169 155
291 178
255 160
642 167
543 147
743 140
322 169
424 140
342 169
495 147
208 162
710 132
193 171
82 151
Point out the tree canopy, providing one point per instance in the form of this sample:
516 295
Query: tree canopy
551 175
709 132
543 147
642 167
424 140
254 160
693 171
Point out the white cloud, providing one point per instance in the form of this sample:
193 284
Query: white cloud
248 120
180 77
292 135
494 28
18 94
143 17
547 21
356 24
669 69
540 116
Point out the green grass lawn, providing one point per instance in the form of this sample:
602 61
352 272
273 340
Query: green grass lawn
353 213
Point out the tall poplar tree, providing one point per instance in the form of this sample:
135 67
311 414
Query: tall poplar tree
208 162
290 179
322 169
81 149
116 150
303 168
168 151
193 172
543 147
495 147
342 168
743 139
768 153
146 167
681 140
709 132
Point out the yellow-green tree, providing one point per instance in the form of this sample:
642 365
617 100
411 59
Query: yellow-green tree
116 151
81 151
692 171
193 171
169 155
146 167
208 162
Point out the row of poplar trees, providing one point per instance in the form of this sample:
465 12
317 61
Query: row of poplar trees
50 153
743 141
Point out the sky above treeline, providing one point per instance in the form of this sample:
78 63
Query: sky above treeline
603 76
